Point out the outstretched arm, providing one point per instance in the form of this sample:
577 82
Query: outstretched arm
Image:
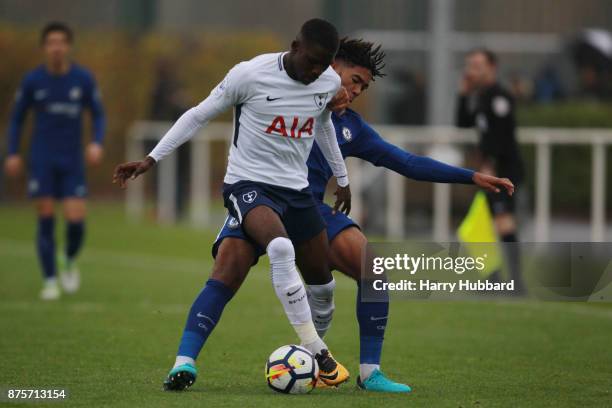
325 136
376 150
187 126
182 130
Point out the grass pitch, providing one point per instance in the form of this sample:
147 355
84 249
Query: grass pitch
113 342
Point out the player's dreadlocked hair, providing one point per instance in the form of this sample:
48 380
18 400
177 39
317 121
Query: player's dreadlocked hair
362 53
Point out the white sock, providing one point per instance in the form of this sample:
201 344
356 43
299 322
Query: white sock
180 360
291 292
365 370
321 301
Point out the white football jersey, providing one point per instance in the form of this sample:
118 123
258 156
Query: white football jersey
274 122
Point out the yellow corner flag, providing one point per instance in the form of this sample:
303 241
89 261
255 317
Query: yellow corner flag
477 232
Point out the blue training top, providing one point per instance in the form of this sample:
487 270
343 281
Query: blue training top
357 139
58 101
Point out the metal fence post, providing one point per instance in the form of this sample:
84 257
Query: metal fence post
166 191
542 221
200 181
598 192
134 195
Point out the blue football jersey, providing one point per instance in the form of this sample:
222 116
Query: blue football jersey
58 102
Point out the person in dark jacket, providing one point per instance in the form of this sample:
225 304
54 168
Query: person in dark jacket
485 104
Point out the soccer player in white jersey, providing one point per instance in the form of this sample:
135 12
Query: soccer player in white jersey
280 105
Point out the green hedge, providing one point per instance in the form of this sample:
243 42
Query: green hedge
569 115
571 169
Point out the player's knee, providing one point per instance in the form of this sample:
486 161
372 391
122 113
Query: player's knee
280 249
74 209
44 208
46 213
75 218
232 263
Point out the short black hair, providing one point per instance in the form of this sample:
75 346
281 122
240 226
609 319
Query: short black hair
362 53
320 32
489 55
55 26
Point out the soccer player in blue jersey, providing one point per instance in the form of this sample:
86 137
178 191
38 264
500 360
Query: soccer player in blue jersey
358 63
57 91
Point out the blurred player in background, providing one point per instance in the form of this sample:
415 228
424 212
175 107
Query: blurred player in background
58 91
280 108
486 104
358 63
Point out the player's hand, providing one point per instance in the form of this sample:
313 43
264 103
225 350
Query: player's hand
94 154
13 165
343 200
131 170
339 102
492 183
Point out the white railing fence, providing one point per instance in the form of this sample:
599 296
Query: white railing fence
440 141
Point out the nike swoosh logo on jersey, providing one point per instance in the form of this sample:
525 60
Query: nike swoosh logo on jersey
293 293
272 99
377 318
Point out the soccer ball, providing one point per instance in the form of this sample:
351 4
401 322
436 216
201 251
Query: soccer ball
292 370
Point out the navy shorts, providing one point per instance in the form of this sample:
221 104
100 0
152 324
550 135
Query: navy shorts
296 209
58 177
336 223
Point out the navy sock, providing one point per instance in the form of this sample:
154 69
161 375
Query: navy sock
203 317
372 318
75 232
45 243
